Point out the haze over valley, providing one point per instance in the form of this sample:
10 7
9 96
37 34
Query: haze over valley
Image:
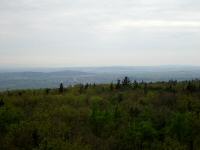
51 78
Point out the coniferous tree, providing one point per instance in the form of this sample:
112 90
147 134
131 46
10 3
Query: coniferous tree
47 91
191 87
86 86
61 89
126 81
111 87
1 103
145 89
118 86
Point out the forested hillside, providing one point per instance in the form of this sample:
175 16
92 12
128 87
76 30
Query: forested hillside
123 116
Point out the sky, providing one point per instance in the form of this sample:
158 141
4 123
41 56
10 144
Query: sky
69 33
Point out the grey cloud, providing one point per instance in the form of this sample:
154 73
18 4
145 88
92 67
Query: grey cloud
58 28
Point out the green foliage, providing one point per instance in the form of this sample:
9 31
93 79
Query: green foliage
121 116
8 116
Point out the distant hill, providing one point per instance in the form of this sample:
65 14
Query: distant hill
21 80
43 78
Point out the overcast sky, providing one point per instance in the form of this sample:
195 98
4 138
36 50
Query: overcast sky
63 33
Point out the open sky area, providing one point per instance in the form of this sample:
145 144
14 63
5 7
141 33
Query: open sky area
68 33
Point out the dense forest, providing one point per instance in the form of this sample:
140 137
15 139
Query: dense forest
119 116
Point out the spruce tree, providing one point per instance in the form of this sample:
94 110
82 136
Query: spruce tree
61 89
118 84
126 81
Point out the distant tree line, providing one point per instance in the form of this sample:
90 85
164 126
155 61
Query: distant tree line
126 83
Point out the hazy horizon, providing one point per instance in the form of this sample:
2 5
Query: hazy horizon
74 33
60 68
99 68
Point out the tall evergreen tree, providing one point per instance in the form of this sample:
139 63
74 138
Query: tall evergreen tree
111 87
126 81
86 86
118 84
61 89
